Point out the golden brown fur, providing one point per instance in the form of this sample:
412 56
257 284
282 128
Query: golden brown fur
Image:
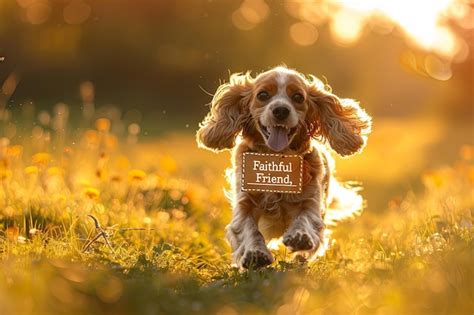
246 106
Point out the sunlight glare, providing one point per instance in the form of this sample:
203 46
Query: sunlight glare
346 27
303 33
428 25
422 21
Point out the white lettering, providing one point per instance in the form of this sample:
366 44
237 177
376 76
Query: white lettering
272 166
263 178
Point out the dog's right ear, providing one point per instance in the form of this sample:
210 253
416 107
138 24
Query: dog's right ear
228 114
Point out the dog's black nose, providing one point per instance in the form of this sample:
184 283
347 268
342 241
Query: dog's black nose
281 113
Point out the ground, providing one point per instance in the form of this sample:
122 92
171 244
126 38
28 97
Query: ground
162 207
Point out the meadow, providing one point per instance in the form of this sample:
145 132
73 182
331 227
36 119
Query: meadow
95 219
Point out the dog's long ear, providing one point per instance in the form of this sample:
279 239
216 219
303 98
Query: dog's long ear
342 122
229 112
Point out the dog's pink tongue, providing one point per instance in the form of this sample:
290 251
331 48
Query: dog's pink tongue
278 139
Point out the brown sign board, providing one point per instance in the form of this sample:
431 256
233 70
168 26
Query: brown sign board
266 172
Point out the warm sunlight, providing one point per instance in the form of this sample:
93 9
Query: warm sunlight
206 157
427 23
433 26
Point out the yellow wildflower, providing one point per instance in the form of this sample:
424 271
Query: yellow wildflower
14 150
41 158
84 182
55 171
116 178
31 170
102 124
137 175
92 192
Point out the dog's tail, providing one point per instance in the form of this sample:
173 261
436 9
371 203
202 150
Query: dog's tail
344 201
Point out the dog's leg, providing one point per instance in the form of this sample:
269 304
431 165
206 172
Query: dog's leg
305 232
248 244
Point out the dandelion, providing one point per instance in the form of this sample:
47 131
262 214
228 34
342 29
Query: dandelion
92 193
116 178
55 171
84 182
102 124
41 158
31 170
14 151
136 175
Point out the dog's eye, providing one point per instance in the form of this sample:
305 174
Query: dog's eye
298 98
263 96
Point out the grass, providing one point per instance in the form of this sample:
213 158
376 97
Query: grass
163 209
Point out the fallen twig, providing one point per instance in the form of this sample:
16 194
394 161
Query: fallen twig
101 232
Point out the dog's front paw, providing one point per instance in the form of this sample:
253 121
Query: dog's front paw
297 241
256 258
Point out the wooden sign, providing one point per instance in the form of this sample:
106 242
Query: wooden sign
272 172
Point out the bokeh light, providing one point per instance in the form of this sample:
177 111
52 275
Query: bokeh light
250 14
346 27
429 25
303 33
36 11
437 68
76 12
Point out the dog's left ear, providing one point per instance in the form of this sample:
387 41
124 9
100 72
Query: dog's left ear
342 122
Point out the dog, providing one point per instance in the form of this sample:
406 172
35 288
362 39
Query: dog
282 111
